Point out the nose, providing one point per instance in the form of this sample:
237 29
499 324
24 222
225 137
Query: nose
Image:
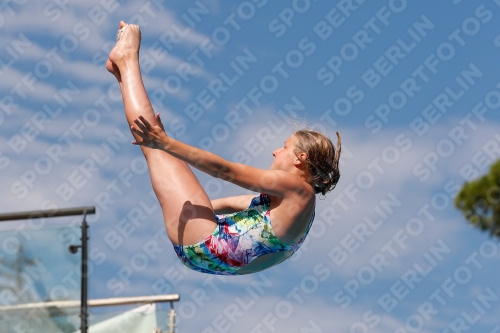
277 151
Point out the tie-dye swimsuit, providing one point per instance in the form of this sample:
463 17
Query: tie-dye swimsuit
237 240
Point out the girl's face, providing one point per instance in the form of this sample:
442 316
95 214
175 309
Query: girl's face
284 157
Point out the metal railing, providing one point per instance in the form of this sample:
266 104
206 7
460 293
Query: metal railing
37 214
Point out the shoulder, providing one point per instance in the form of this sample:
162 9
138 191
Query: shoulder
295 200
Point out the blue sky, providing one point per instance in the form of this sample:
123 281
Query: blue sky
410 85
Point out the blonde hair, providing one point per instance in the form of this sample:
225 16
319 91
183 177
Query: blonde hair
322 159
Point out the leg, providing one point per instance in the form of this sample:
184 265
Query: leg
187 210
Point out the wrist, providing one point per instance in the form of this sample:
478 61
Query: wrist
167 143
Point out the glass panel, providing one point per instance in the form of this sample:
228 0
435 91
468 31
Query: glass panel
36 266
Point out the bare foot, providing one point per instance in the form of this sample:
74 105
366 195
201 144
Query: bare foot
127 47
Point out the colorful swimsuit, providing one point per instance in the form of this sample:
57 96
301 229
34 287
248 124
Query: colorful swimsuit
237 240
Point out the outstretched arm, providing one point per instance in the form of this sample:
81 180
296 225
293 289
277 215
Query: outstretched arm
274 182
232 204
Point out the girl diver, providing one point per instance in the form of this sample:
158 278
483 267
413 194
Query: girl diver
234 235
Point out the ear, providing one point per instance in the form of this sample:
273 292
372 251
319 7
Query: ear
300 158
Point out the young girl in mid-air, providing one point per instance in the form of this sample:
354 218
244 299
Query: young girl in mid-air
234 235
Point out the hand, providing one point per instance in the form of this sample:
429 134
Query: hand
153 137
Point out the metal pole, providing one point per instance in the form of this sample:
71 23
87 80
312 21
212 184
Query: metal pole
84 297
116 301
171 315
36 214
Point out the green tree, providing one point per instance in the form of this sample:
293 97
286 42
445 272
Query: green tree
479 201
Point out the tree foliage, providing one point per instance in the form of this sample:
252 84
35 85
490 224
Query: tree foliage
479 201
